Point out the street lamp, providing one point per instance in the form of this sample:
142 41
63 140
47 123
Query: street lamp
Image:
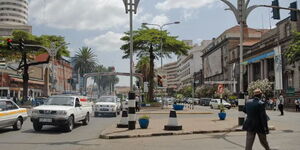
131 7
52 51
161 45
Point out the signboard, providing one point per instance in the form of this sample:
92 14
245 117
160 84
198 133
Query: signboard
212 64
220 89
278 68
146 87
290 91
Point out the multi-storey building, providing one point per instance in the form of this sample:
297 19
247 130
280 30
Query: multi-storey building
13 16
221 56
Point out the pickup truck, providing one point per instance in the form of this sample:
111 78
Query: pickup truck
61 110
107 105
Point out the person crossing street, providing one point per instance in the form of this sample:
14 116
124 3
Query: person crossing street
256 121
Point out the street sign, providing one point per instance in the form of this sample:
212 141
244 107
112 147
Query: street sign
220 89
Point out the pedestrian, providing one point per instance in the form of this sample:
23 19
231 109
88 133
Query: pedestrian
256 121
297 104
281 104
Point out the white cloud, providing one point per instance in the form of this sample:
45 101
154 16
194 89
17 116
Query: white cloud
78 14
160 19
186 4
108 42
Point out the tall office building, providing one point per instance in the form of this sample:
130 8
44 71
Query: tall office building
13 16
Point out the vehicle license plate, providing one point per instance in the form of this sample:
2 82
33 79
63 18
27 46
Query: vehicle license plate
45 120
104 109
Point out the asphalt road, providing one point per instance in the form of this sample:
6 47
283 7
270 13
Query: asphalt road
286 137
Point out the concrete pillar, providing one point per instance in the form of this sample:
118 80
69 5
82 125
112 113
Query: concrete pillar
266 73
250 73
261 69
131 111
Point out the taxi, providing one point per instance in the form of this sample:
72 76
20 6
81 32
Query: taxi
11 114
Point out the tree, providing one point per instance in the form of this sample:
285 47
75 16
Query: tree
27 52
143 67
186 91
85 61
264 85
104 82
146 43
293 52
206 91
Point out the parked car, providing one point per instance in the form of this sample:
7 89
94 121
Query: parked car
11 114
204 101
215 104
61 110
107 105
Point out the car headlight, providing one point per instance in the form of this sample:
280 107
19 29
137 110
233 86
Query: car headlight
112 106
61 112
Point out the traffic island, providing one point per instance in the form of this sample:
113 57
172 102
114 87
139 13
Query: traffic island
195 125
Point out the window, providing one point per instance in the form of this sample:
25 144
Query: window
10 105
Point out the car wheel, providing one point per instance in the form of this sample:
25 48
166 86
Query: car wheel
18 124
86 119
70 124
37 126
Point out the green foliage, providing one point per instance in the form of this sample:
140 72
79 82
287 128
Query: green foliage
85 60
222 108
104 82
186 91
206 91
43 40
264 85
144 117
143 67
179 96
293 52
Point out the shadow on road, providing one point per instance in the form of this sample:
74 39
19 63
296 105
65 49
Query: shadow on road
51 130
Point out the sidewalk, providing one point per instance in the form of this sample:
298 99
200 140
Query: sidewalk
198 122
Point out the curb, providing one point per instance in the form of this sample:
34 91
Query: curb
105 136
204 113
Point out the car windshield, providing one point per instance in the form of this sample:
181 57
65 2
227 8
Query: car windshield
64 101
2 105
106 99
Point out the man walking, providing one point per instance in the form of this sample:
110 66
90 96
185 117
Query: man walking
256 121
281 103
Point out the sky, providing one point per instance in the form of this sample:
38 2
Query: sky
99 24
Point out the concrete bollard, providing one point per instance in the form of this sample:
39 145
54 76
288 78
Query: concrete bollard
241 118
124 120
172 123
131 111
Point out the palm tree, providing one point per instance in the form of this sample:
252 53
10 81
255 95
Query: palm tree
85 61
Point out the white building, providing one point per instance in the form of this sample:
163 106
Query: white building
13 16
190 64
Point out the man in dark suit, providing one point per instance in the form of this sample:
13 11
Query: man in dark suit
256 121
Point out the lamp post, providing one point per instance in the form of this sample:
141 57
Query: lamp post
52 51
161 46
131 7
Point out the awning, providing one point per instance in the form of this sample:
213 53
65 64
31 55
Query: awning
257 58
30 81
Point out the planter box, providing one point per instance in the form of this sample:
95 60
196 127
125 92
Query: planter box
144 123
222 115
178 107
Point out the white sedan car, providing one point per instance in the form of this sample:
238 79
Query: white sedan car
215 104
11 114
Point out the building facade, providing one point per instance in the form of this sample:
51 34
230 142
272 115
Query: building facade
13 16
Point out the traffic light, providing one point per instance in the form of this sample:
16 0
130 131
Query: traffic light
293 13
276 11
9 43
21 44
159 81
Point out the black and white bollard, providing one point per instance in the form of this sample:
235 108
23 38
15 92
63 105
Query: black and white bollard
172 123
241 103
124 120
131 111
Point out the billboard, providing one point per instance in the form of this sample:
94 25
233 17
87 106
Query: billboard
213 64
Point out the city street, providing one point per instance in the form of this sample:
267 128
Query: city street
285 137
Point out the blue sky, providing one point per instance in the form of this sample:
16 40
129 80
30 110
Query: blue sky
99 24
